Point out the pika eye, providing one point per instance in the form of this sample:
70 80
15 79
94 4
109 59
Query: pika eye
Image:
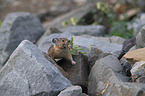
62 40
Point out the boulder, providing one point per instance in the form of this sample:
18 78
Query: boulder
126 66
31 65
141 79
127 89
71 91
135 56
12 84
77 74
94 54
106 80
92 30
129 43
15 28
103 73
116 39
105 46
138 70
140 38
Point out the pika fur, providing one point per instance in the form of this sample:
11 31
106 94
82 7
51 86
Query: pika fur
60 49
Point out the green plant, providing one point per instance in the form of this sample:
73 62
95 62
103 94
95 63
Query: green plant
118 27
74 49
0 23
72 21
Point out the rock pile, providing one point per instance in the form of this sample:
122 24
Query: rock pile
31 72
15 28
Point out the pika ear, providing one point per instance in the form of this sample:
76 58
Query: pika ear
54 40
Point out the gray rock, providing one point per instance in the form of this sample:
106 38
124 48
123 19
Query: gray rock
77 74
83 94
94 54
118 40
127 89
102 73
92 30
138 70
140 38
105 81
43 77
112 62
12 84
105 46
141 79
71 91
15 28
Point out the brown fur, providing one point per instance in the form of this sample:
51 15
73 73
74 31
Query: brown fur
60 49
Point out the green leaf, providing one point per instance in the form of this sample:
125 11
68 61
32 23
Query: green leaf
84 52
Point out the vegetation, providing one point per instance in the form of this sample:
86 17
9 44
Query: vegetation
0 23
74 49
72 21
105 14
117 27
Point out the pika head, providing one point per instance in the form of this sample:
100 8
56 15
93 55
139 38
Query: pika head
61 42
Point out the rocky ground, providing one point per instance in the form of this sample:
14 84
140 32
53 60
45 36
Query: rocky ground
27 71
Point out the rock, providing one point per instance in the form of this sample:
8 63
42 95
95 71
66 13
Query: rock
112 62
127 89
92 30
105 46
83 94
140 40
104 80
30 64
129 43
141 79
135 56
104 73
138 70
71 91
77 74
94 54
15 28
80 2
56 65
126 67
118 40
12 84
130 13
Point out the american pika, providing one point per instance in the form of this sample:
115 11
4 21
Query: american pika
60 49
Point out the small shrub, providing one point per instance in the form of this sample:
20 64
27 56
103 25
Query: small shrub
74 49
